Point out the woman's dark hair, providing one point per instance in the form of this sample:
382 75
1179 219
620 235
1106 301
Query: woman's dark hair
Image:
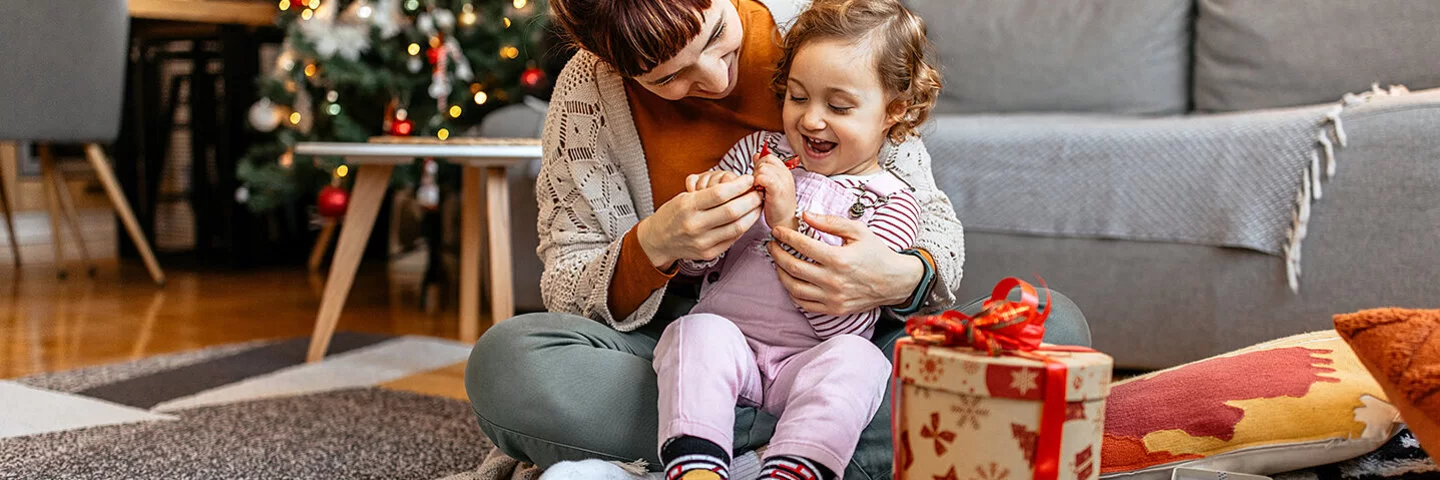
634 36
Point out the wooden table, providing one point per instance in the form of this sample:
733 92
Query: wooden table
372 164
206 11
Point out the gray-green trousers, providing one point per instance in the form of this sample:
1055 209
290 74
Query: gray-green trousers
550 387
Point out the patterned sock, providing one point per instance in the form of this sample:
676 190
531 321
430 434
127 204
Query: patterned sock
687 454
794 468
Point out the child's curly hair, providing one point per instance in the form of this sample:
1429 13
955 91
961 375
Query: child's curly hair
902 58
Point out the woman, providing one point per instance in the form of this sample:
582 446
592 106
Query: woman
661 90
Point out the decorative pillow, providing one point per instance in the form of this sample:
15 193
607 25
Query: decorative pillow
1253 54
1291 403
1402 348
1113 56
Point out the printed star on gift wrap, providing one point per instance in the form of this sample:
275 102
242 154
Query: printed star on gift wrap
970 412
931 369
950 475
1024 380
995 472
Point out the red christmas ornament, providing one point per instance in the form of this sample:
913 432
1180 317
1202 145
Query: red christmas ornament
332 201
402 128
434 54
531 77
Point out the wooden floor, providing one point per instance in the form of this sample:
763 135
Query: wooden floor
48 324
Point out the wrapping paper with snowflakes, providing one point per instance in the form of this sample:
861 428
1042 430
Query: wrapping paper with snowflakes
963 415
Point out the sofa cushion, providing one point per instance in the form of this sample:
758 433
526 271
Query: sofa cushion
1112 56
1291 403
1273 53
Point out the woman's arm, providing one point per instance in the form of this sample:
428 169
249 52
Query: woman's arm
940 231
579 253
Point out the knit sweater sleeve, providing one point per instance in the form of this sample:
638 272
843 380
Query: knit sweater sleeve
940 231
579 246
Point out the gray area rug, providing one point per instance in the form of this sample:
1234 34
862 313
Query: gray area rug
263 415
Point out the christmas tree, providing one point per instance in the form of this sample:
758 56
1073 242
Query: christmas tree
352 69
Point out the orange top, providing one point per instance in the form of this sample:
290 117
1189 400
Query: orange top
691 136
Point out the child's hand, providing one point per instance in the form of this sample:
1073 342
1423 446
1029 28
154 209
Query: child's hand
700 181
778 183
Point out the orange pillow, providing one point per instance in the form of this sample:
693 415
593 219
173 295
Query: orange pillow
1402 349
1287 404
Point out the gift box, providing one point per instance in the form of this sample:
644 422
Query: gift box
1012 409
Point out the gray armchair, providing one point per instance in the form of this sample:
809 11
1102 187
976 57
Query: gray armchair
62 67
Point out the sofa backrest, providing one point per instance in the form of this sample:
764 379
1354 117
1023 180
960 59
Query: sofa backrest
1277 53
1109 56
1171 56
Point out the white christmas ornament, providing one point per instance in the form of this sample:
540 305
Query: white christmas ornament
428 195
330 37
414 64
265 116
445 19
242 194
462 65
440 87
388 18
425 23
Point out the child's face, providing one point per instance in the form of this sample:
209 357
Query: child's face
835 107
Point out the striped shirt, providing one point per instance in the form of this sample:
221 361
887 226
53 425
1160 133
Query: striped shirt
895 221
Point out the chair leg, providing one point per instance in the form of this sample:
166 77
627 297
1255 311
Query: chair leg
122 208
52 203
72 218
9 222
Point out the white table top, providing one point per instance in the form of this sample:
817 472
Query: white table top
474 155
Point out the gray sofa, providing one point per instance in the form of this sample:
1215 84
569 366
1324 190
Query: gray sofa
1071 77
1170 68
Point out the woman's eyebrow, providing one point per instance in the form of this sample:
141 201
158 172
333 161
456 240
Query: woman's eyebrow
714 35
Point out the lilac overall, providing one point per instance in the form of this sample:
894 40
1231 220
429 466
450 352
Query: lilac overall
747 343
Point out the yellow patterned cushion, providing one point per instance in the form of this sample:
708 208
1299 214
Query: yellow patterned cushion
1292 403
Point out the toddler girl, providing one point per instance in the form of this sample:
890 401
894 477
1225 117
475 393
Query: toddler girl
853 76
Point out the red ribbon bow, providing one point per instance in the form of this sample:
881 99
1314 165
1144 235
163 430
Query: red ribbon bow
1005 327
1002 325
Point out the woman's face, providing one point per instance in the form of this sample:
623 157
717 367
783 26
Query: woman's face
708 65
835 111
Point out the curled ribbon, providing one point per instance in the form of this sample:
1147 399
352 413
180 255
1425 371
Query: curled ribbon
1006 327
1002 325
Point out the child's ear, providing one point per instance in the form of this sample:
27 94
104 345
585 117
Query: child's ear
896 111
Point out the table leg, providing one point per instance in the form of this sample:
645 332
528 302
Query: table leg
497 203
365 199
322 245
470 256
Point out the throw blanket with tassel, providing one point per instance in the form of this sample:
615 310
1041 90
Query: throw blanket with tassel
1238 180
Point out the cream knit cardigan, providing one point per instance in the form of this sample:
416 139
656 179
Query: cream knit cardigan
593 187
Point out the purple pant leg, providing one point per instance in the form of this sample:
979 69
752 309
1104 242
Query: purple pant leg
824 397
704 367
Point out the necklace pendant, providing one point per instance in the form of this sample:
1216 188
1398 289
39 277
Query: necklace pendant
857 209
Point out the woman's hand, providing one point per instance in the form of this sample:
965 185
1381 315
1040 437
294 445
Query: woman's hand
861 275
700 181
700 225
